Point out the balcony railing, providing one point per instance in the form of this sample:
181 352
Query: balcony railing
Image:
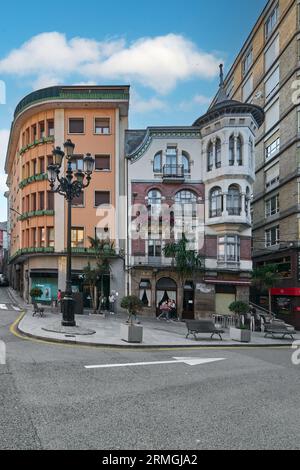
173 171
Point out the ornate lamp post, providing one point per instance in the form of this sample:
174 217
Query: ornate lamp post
69 187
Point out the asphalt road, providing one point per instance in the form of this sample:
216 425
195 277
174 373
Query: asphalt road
49 400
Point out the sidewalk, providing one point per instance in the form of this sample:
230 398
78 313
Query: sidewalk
97 330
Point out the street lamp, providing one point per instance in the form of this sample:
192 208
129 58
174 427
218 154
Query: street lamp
70 186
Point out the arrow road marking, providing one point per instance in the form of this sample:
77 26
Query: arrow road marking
190 361
3 307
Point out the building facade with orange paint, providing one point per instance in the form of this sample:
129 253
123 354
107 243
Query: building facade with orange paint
95 119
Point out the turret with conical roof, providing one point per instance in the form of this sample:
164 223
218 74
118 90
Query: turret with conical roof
222 105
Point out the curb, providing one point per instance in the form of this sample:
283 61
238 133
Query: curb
15 329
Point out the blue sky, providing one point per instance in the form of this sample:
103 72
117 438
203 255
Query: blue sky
168 51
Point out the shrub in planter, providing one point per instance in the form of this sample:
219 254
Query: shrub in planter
35 293
130 332
239 308
133 305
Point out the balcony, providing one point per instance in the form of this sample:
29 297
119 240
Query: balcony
173 173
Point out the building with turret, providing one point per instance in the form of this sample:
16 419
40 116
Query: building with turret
196 181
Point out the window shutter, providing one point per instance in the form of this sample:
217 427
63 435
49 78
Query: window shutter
272 116
102 197
272 53
272 83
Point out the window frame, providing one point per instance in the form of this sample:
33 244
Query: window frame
268 239
268 206
226 258
105 170
76 118
76 228
104 118
268 33
104 204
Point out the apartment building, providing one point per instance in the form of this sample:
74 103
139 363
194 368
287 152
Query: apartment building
197 181
266 72
95 119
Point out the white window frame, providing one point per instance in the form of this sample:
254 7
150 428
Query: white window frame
102 133
268 206
268 237
226 258
272 20
248 60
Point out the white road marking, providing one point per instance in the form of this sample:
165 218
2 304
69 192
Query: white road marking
16 308
3 307
190 361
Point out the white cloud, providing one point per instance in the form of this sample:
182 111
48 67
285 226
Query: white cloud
4 136
159 63
140 105
196 101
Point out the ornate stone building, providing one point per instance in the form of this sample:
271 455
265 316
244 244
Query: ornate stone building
198 181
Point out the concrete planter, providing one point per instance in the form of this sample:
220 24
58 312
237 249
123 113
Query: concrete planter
242 336
132 333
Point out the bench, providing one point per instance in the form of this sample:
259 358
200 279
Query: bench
279 328
202 326
37 310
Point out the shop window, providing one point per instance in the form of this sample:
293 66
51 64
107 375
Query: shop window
145 292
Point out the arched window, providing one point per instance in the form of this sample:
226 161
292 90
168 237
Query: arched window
185 197
234 206
185 162
239 151
216 202
210 156
231 151
154 197
218 153
157 163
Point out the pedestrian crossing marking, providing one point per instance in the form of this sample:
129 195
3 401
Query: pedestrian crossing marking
9 307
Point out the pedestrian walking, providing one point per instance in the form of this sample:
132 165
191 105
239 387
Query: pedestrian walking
59 297
112 300
165 310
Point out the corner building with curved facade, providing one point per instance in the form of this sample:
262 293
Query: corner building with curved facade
95 119
198 181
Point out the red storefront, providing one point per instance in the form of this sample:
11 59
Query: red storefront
286 304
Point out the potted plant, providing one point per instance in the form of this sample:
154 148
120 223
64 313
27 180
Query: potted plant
36 293
240 333
131 332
